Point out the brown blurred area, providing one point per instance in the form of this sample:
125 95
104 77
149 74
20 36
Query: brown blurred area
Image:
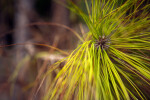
25 22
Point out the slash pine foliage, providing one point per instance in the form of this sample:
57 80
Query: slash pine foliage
113 60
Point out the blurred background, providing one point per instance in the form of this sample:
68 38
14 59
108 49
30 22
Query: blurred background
24 22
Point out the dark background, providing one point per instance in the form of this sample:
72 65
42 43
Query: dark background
25 22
